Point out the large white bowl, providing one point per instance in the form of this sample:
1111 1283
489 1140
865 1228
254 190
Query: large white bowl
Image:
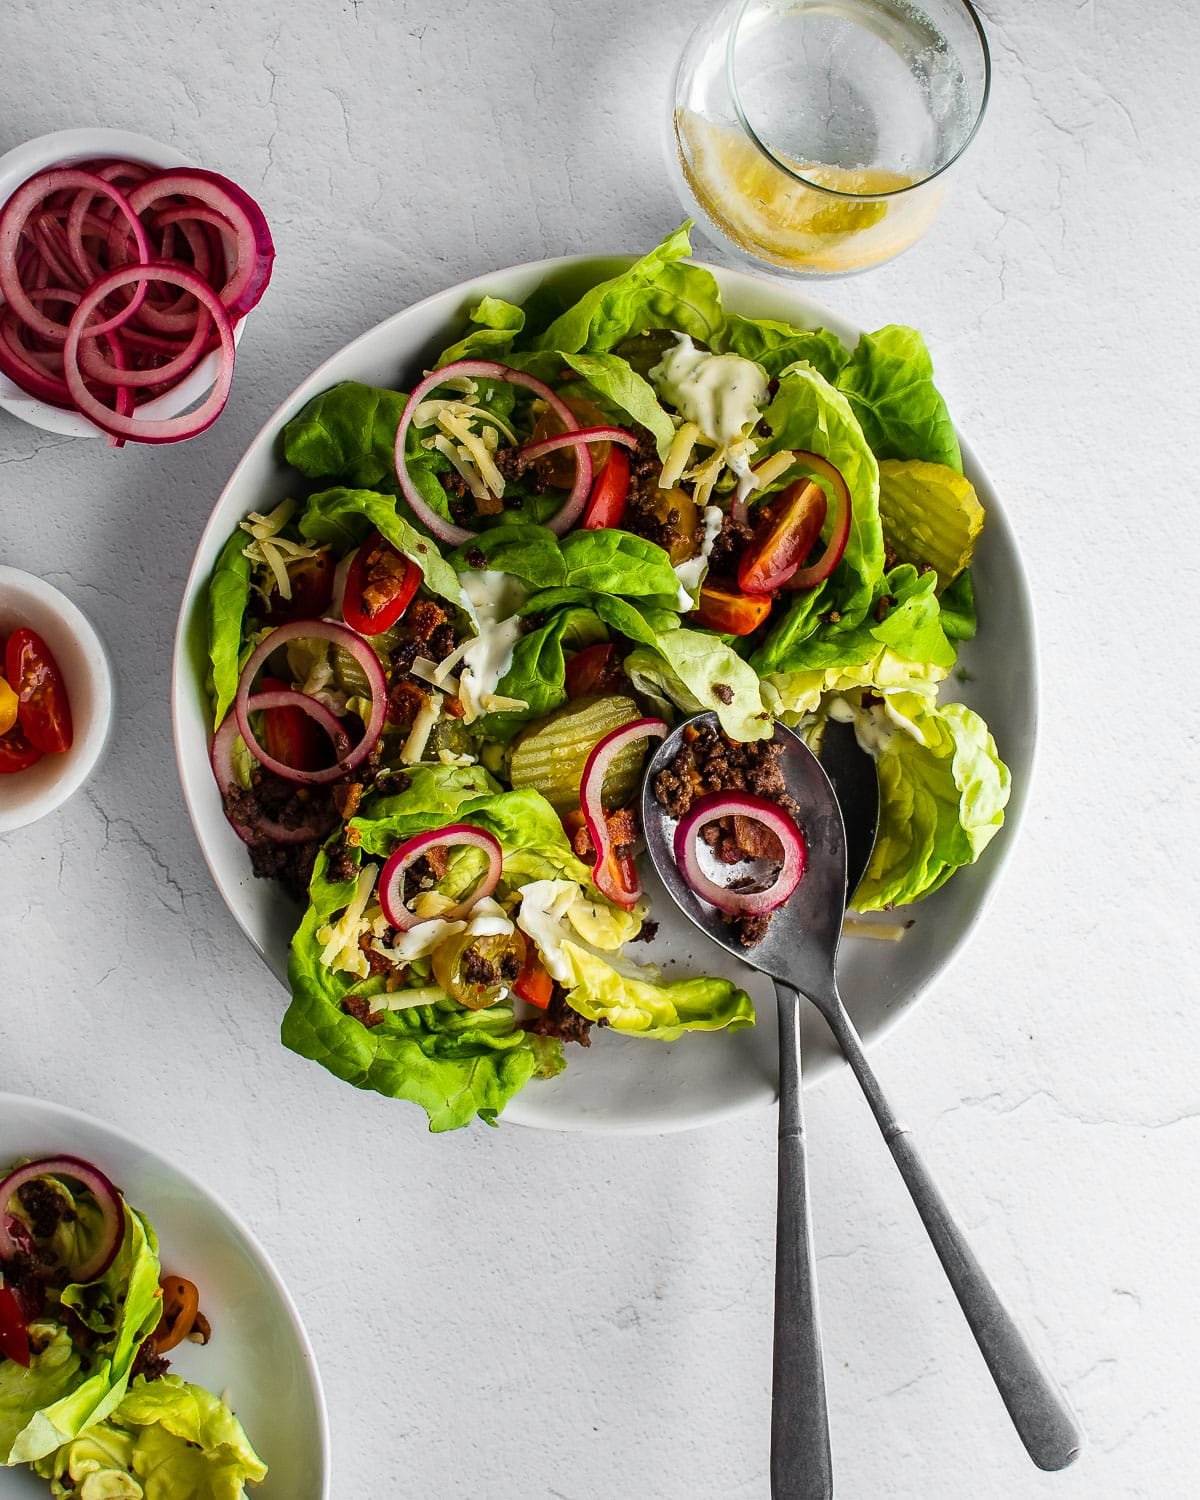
64 148
622 1083
259 1354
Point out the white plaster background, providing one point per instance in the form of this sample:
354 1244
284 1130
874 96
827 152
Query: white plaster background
509 1315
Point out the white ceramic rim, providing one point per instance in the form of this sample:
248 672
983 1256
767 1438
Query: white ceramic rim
63 147
810 313
51 1110
80 761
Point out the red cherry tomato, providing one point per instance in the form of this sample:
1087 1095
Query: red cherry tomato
784 538
311 579
14 1336
595 669
730 613
533 983
606 503
380 585
291 736
16 753
43 712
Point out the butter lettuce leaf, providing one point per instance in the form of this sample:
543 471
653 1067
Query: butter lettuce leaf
538 670
347 433
602 562
228 602
889 383
173 1438
343 517
619 385
495 325
943 789
775 346
657 291
695 671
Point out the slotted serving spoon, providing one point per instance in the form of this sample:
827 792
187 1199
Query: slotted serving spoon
799 952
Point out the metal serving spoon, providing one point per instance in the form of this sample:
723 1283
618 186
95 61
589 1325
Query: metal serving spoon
799 952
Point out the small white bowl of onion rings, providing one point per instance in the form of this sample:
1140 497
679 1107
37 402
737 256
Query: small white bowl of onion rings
126 274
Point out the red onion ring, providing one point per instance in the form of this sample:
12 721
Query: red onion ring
486 369
108 1200
338 635
591 790
391 881
263 830
254 250
13 218
96 367
144 429
808 578
579 439
759 810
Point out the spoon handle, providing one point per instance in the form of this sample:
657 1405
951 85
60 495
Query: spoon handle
801 1467
1039 1412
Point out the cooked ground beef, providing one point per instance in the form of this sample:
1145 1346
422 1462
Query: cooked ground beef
727 548
648 933
510 965
710 762
148 1362
360 1009
558 1019
476 969
290 864
46 1207
340 865
645 514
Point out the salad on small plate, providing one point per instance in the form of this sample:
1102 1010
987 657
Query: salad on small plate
435 666
147 1348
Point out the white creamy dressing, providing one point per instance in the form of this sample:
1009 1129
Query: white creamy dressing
691 571
874 729
494 597
721 393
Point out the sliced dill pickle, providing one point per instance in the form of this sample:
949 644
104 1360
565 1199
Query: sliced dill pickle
551 756
930 514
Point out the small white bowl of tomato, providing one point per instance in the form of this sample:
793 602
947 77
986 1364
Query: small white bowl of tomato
56 698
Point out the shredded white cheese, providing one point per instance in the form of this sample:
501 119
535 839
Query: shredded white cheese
339 939
427 716
267 549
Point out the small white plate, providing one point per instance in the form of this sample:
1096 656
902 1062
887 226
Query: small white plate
259 1352
63 148
624 1083
26 796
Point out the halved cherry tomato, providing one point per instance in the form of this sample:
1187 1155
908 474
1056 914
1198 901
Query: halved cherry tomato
43 712
180 1309
730 613
291 736
617 877
311 579
784 538
380 585
595 669
16 753
14 1336
610 492
533 983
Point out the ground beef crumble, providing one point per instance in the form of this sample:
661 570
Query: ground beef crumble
710 762
360 1009
558 1019
45 1207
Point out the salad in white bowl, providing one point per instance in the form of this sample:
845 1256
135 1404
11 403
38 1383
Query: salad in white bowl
436 666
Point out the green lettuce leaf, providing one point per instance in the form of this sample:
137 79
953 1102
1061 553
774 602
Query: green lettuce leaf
129 1294
958 608
601 562
943 790
641 620
496 325
228 601
620 386
775 346
457 1064
342 517
889 383
175 1439
348 433
657 291
54 1370
911 630
808 413
538 671
695 671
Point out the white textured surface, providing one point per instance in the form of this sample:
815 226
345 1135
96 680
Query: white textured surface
509 1315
